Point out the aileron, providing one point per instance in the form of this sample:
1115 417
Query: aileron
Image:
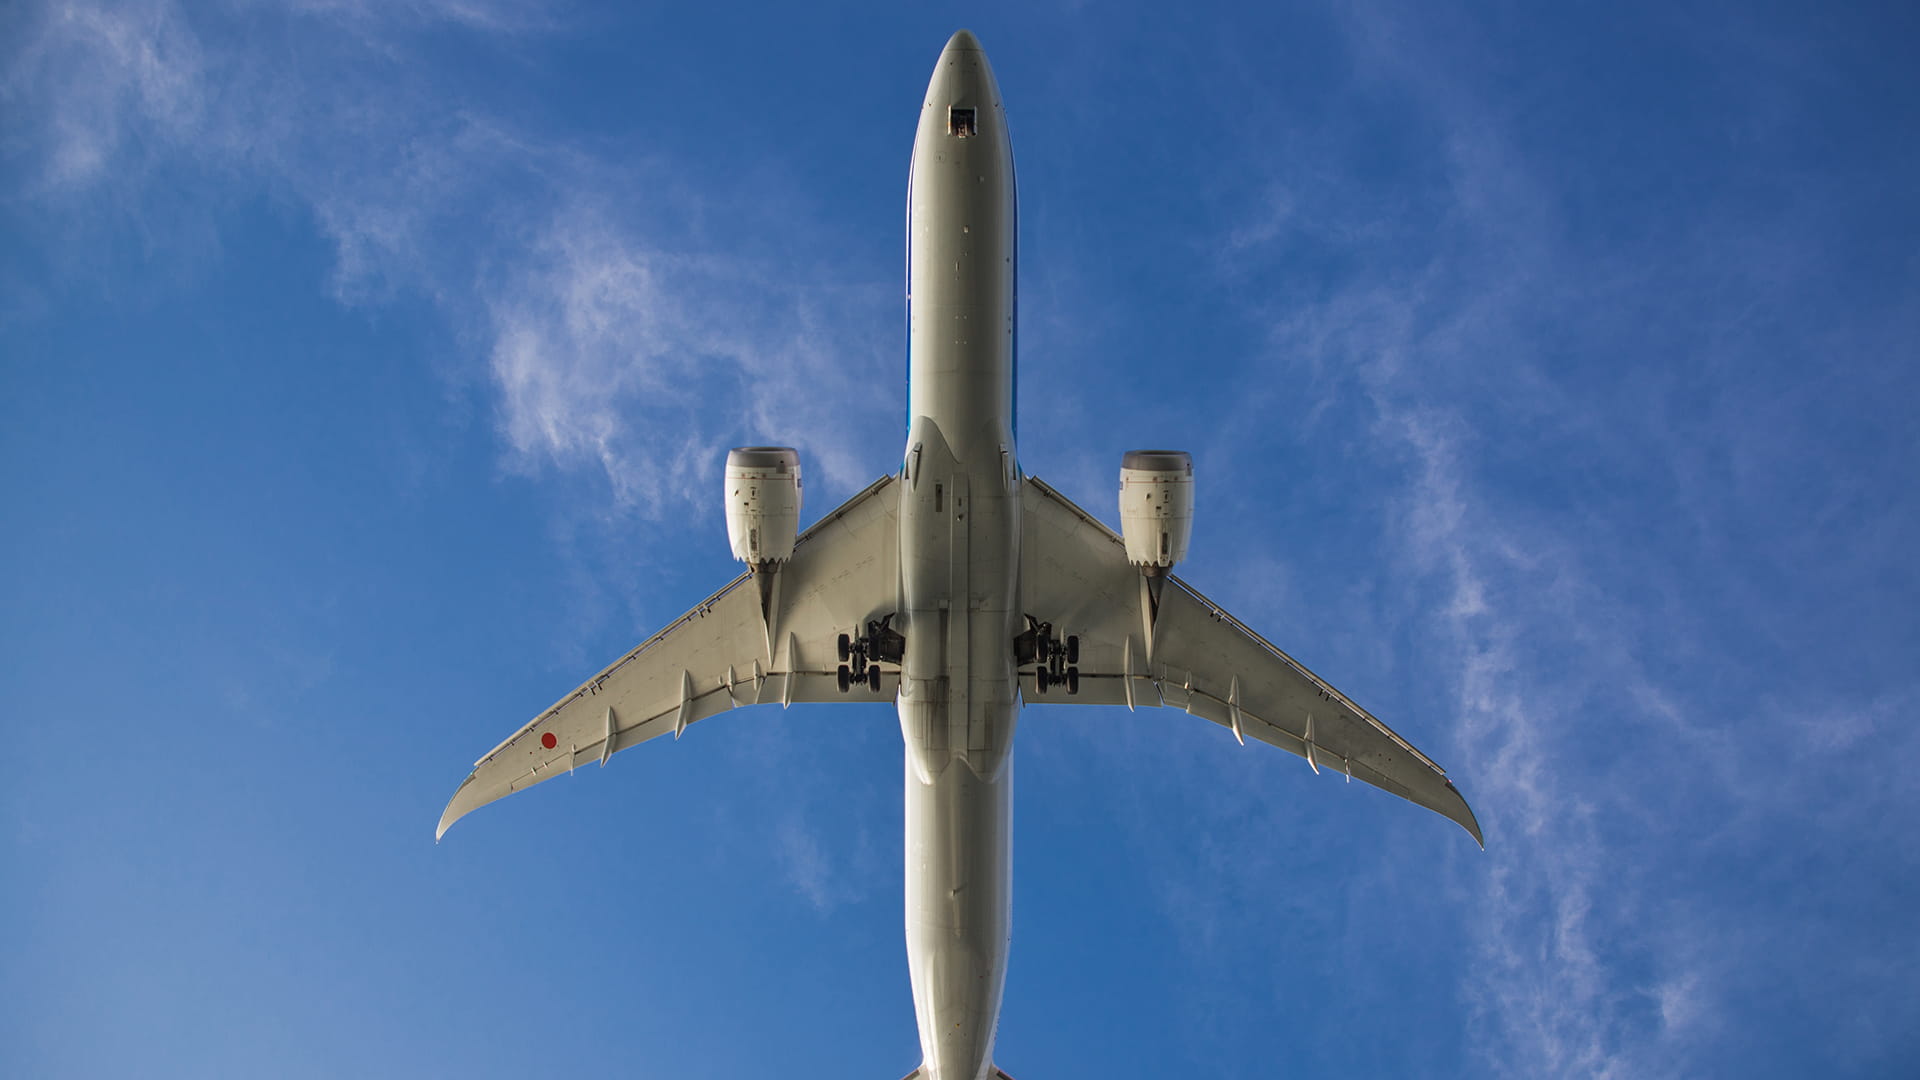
1202 660
845 567
954 590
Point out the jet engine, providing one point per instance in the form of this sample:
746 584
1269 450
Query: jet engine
1156 508
763 503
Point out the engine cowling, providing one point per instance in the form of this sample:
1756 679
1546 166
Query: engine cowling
763 503
1156 507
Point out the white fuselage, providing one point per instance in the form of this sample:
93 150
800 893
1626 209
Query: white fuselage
959 564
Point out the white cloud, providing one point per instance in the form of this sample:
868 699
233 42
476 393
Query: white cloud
89 84
809 868
1611 728
1614 742
617 343
646 362
383 16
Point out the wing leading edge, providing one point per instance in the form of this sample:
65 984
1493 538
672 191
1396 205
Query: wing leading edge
732 649
1183 651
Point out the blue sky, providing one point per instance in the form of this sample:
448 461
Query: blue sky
1550 376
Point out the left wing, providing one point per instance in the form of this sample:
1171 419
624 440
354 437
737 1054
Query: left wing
1181 650
721 655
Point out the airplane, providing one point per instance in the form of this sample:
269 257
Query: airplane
959 588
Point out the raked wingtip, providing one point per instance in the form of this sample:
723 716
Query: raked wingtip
1465 818
454 811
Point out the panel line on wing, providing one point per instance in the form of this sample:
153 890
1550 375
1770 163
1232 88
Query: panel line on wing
700 611
1332 694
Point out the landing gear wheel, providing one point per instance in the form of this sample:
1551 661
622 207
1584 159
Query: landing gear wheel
873 678
1040 680
846 649
846 676
1073 648
1073 680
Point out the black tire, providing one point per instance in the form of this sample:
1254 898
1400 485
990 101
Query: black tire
1073 680
846 649
1040 680
873 679
846 678
1073 648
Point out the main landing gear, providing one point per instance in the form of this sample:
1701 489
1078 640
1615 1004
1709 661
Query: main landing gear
1056 659
860 657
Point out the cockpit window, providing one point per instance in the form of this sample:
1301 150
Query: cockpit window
963 122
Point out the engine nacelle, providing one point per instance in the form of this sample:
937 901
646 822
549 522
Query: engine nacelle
1156 507
763 503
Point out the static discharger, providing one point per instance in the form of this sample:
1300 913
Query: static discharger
920 553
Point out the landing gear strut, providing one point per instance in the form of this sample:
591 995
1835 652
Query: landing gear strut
861 656
1056 659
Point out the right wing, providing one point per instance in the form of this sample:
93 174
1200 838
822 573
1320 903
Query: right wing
721 655
1186 652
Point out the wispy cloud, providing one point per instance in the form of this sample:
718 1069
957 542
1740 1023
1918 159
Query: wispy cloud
491 16
646 362
1611 680
809 869
624 338
617 341
90 83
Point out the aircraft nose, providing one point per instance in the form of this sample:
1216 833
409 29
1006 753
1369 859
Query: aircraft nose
962 76
962 79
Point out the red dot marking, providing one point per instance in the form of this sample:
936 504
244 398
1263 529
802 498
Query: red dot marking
549 741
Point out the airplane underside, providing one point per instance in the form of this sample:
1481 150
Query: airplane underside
957 588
